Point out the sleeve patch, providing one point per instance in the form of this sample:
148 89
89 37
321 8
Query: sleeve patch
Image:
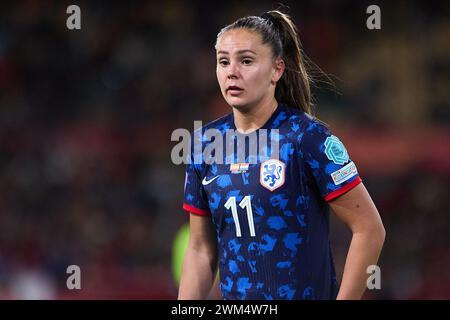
344 173
335 150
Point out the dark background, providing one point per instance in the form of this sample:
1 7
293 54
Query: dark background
86 118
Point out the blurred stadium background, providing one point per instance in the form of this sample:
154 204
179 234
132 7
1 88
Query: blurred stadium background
86 118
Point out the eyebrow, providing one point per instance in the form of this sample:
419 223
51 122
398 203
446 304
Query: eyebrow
239 52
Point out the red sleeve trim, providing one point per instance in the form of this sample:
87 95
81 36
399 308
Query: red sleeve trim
195 210
342 190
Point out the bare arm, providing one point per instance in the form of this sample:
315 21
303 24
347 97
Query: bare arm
200 260
357 210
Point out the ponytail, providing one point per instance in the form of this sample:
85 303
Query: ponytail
293 87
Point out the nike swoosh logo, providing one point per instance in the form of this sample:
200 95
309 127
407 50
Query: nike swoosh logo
206 182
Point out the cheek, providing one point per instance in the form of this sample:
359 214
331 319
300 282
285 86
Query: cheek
261 78
220 77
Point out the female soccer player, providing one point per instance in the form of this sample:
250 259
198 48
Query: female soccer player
266 224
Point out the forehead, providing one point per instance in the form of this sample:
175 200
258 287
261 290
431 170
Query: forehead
237 40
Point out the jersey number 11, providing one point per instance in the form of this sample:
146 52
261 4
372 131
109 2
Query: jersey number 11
246 203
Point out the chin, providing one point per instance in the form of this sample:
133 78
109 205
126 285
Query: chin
238 104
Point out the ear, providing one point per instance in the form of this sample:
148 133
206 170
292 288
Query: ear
279 67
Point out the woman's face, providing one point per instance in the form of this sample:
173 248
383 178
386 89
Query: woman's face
246 70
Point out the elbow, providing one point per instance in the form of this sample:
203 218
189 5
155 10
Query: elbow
374 233
382 234
378 234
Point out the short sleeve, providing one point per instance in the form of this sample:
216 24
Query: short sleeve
195 198
328 161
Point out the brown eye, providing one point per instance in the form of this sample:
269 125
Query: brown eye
223 62
247 62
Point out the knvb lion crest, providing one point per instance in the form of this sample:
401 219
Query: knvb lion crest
272 174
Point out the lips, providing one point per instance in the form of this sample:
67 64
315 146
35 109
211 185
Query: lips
234 89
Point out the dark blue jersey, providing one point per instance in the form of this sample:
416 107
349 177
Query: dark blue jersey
271 215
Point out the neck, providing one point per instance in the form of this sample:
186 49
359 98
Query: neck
250 119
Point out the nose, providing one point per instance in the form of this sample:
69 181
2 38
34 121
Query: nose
233 71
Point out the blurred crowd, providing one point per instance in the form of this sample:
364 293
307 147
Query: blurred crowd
86 118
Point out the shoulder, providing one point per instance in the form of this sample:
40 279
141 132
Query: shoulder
200 138
303 126
307 122
221 124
